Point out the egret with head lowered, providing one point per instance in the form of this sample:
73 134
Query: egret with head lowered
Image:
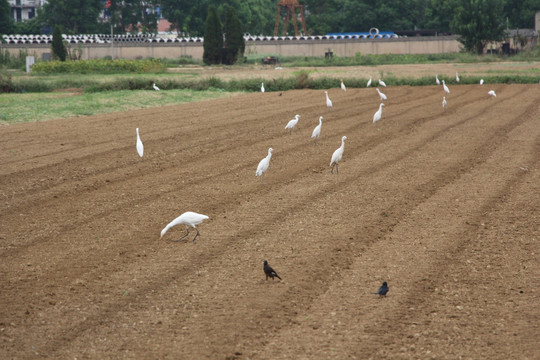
264 164
492 93
445 88
382 95
337 155
189 219
382 83
291 125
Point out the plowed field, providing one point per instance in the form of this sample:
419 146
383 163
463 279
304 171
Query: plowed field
443 205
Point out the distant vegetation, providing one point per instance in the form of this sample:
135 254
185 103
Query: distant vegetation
98 66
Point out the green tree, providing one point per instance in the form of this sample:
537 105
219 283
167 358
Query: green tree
478 22
438 15
6 22
58 48
213 38
234 38
73 15
520 14
133 15
186 15
31 26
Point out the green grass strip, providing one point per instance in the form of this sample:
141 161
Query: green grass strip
16 108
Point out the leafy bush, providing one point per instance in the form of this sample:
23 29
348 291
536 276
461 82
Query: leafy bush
98 66
6 83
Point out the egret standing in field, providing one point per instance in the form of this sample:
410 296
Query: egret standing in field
262 88
437 81
445 88
317 131
140 147
155 87
328 101
343 86
263 165
190 219
378 114
457 77
382 95
368 83
492 93
481 81
291 125
382 83
337 155
444 102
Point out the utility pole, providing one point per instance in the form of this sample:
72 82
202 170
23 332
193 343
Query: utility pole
112 41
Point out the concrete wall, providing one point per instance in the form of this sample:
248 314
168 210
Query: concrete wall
345 48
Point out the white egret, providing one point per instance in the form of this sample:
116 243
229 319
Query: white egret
444 102
382 95
343 86
492 93
317 131
292 123
155 87
337 155
263 165
382 83
446 89
437 81
378 114
188 218
481 81
368 83
457 77
328 101
262 87
140 147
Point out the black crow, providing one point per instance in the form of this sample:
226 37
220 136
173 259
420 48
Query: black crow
269 271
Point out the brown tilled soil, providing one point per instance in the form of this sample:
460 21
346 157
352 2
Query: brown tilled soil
444 206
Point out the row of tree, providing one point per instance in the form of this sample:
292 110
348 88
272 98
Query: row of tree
478 21
223 44
258 16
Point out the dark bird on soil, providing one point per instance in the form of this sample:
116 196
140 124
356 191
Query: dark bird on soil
383 289
269 271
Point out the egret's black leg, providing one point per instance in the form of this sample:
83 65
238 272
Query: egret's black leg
196 234
337 168
186 234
